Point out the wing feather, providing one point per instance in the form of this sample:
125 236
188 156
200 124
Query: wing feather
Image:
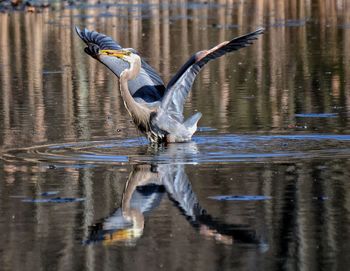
180 85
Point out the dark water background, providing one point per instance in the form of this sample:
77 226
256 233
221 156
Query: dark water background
80 188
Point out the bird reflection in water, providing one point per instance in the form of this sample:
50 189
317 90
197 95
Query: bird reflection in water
144 190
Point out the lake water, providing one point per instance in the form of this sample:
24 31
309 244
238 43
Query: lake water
264 185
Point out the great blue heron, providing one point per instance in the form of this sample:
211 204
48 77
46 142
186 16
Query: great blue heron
156 109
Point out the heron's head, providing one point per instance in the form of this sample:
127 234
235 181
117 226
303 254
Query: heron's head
126 55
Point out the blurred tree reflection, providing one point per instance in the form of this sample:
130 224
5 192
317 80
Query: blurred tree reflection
50 91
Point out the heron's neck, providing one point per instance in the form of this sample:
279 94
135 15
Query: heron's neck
139 112
135 67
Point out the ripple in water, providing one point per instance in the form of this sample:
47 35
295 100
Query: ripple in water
203 149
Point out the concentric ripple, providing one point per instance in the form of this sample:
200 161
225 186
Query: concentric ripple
203 149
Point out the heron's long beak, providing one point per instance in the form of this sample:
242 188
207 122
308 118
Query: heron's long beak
116 53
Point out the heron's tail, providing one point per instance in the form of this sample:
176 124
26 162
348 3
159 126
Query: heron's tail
191 122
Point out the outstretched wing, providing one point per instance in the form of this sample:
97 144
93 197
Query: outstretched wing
147 86
180 85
